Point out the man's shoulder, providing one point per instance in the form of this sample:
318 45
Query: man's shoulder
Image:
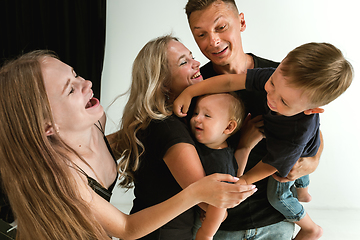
208 71
260 62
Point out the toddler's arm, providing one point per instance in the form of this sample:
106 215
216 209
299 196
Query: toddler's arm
217 84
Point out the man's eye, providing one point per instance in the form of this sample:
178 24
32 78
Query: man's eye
183 63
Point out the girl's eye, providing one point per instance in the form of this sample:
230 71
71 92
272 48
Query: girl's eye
208 116
71 91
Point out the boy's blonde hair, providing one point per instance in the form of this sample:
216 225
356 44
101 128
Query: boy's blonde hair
319 69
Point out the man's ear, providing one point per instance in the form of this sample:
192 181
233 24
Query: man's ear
313 110
230 127
242 22
49 129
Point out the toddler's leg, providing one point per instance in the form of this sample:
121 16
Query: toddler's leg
303 194
309 230
302 189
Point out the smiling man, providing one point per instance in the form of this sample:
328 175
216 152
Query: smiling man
217 26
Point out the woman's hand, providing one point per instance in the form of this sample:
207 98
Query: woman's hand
252 132
215 190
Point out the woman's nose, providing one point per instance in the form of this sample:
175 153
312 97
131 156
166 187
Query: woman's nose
86 84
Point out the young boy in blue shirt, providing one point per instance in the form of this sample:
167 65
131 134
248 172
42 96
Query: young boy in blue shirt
309 77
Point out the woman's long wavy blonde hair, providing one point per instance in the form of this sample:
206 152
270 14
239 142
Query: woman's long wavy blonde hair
148 100
34 167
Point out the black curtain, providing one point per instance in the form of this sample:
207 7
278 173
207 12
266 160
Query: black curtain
74 29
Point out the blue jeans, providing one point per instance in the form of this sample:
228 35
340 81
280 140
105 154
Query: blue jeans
280 231
283 199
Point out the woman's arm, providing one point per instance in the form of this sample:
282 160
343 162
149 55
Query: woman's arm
211 189
217 84
183 161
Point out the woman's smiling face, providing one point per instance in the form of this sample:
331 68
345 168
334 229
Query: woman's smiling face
70 96
184 69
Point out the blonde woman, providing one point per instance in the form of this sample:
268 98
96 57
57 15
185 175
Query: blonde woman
157 152
56 166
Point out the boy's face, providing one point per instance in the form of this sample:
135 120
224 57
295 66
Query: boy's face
284 99
210 119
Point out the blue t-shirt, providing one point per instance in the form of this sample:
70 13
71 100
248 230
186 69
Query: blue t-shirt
287 138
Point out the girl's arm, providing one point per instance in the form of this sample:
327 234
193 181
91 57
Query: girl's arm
211 189
217 84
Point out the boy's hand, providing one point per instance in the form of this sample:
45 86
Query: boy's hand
181 104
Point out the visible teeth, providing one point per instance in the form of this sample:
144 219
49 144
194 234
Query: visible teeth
196 75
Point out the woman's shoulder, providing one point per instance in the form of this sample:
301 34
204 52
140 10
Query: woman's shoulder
169 129
171 122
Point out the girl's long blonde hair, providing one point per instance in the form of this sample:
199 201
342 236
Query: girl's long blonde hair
34 167
147 101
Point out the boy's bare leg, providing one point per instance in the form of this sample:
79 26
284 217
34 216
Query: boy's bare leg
303 194
309 230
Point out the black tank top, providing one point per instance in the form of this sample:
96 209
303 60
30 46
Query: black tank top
95 185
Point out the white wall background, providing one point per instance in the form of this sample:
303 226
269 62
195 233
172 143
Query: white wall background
273 29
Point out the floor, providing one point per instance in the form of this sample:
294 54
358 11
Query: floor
338 224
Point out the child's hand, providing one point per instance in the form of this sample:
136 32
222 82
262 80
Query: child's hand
181 104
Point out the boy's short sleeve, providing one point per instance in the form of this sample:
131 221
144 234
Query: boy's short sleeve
256 78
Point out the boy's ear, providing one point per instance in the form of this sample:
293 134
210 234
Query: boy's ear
313 110
230 127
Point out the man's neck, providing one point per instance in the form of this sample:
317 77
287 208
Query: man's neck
244 63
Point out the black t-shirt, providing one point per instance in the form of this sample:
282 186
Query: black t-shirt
255 211
287 137
217 160
154 182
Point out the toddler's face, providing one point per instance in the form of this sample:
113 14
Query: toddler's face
284 99
210 119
